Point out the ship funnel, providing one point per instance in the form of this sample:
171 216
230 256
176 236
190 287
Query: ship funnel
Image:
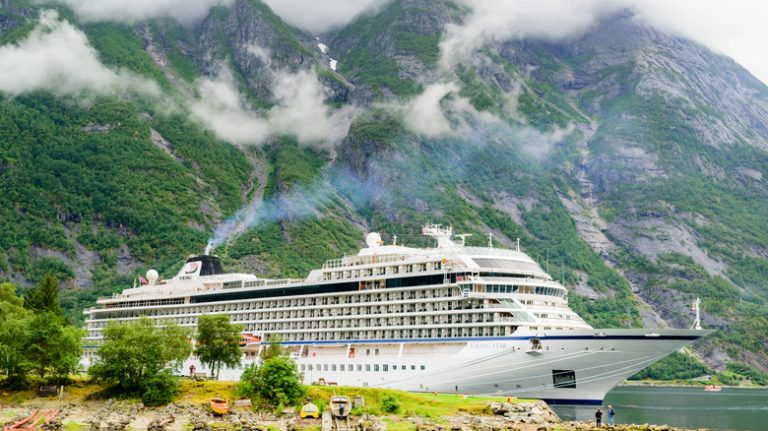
201 266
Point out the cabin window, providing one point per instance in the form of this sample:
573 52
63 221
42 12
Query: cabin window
564 378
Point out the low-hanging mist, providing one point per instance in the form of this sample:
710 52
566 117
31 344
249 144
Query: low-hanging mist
57 57
186 12
299 110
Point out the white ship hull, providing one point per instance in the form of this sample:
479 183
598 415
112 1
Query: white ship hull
503 366
472 320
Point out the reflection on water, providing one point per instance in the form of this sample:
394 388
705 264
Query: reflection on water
691 407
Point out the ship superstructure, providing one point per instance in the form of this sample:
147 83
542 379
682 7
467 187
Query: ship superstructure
450 318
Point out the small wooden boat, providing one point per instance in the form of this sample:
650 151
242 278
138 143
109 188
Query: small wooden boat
309 410
220 406
340 406
712 388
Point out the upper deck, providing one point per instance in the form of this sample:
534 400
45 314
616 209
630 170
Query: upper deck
373 267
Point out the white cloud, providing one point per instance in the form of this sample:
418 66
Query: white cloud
299 111
320 16
735 28
496 21
186 11
57 57
261 53
221 109
424 113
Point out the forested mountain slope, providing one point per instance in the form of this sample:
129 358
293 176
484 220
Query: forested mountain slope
631 163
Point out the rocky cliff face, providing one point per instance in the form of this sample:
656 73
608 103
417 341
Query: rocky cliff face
630 162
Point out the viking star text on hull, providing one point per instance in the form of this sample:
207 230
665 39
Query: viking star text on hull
478 320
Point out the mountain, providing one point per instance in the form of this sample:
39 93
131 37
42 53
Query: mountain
630 162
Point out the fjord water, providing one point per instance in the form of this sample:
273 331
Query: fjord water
689 407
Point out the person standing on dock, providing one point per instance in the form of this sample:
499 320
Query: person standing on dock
599 418
611 414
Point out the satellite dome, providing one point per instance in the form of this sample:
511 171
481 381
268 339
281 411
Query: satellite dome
152 276
373 239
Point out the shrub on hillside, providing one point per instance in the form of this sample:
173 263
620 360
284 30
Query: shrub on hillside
390 404
275 383
159 389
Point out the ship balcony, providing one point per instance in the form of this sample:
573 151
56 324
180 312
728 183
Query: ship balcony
362 260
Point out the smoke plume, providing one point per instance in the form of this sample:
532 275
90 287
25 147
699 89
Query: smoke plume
296 204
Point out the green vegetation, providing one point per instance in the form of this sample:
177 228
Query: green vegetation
35 337
387 33
119 45
276 383
178 40
677 366
421 404
138 359
744 371
390 404
218 342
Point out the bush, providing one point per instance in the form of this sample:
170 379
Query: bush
159 389
390 404
276 382
247 385
138 359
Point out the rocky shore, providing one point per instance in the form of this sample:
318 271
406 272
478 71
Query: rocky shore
114 415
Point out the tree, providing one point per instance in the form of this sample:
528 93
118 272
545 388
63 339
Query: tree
44 297
276 382
133 355
52 346
14 324
218 342
274 347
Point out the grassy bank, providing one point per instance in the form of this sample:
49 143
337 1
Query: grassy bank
428 405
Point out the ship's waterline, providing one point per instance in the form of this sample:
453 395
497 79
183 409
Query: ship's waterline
477 320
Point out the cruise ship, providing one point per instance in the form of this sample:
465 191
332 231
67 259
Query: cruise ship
452 318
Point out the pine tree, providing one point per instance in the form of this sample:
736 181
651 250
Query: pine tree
44 298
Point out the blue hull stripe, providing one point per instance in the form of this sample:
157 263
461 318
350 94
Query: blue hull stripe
468 339
572 402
